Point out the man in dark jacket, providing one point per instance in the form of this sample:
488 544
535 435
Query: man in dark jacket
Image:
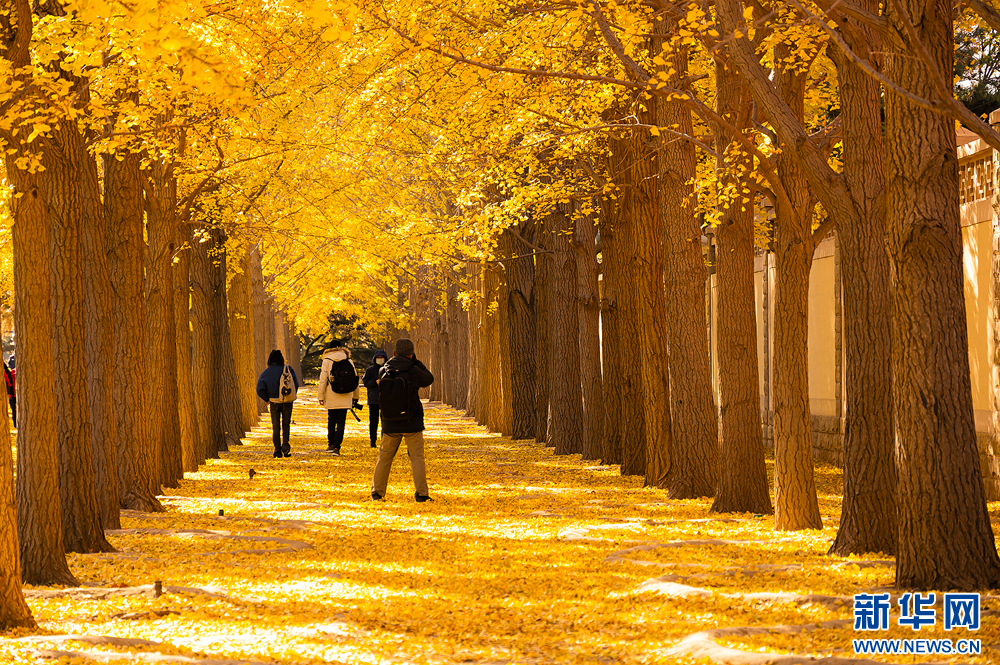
269 390
403 365
370 381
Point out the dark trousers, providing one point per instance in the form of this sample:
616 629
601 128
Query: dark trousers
373 423
281 417
336 419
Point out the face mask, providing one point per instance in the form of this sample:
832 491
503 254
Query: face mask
380 361
339 355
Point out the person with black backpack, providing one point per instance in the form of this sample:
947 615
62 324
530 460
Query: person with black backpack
278 386
338 391
402 418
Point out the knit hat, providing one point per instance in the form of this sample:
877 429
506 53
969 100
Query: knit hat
404 347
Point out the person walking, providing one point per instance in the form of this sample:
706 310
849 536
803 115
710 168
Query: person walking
338 391
370 381
10 381
278 386
402 418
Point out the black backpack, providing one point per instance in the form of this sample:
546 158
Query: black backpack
394 396
343 377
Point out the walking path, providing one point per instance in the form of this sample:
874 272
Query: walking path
522 557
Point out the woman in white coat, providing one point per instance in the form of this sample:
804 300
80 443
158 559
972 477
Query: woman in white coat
338 391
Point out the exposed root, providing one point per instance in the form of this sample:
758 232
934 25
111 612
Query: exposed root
141 501
703 645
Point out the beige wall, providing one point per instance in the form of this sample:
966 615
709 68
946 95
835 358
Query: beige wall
976 241
758 294
822 338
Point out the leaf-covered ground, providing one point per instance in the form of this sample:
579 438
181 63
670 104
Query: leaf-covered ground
522 557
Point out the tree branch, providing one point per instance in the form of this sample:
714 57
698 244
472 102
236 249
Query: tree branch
986 12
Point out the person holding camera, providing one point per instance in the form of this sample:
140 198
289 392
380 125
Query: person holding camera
402 418
278 386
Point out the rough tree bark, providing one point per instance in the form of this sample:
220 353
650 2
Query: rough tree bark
519 269
458 347
138 463
490 331
743 473
263 325
589 299
203 348
225 372
940 484
100 345
474 397
543 264
14 611
61 157
646 233
507 363
624 423
15 38
39 513
242 335
565 429
694 424
295 348
795 502
161 396
868 513
187 416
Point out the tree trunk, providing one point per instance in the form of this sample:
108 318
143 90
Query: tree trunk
164 423
242 334
492 382
39 513
795 502
565 430
520 274
225 376
187 416
508 363
743 473
263 325
295 349
458 348
42 559
589 299
138 463
868 515
64 170
100 346
694 458
646 233
442 377
203 347
624 422
543 265
940 484
14 611
474 399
